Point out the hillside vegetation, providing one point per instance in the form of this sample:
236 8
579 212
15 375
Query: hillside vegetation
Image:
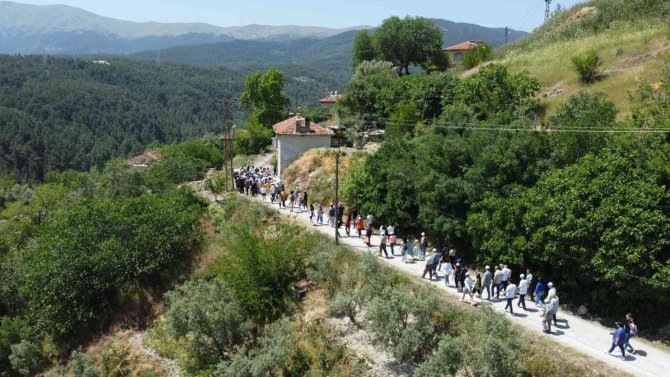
628 37
579 195
70 113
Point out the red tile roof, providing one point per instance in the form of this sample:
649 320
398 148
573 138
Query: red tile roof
463 46
287 127
331 98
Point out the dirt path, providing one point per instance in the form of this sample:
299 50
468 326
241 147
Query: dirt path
585 336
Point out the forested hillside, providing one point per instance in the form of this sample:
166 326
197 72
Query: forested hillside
579 195
63 113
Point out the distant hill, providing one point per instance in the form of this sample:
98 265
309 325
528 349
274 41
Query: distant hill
331 54
71 113
60 29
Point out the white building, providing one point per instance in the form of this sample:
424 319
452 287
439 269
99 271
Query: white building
295 136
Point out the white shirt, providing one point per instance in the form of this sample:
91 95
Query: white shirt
507 273
448 268
523 287
552 293
390 229
468 283
529 278
511 291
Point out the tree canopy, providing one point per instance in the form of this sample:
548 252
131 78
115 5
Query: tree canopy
264 97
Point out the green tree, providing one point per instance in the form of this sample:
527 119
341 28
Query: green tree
482 52
408 41
207 316
493 92
264 97
363 49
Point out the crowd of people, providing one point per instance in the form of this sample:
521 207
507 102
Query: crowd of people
495 281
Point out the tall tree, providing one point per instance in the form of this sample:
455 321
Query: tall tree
364 49
408 41
264 97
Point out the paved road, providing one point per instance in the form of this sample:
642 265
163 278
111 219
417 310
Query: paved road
582 335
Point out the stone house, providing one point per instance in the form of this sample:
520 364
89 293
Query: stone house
295 136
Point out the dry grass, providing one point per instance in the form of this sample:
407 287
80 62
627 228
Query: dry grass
629 58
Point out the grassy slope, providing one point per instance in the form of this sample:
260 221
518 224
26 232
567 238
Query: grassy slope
629 59
629 46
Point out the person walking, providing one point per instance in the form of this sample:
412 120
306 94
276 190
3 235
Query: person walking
369 219
488 279
331 215
347 225
510 293
497 281
311 213
392 242
539 292
359 226
462 275
437 256
552 293
478 286
416 250
448 269
457 276
382 245
468 288
630 330
368 234
523 290
424 245
529 277
507 275
618 340
428 269
548 314
406 250
319 214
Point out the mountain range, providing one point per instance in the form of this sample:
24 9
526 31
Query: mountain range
65 30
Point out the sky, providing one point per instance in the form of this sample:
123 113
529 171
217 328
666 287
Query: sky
517 14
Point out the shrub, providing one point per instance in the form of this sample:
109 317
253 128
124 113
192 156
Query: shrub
27 358
402 321
252 138
12 330
93 252
586 67
447 360
83 365
477 55
208 316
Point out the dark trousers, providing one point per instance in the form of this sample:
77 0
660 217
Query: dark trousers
392 250
623 351
497 289
488 291
428 270
503 285
359 232
509 305
522 301
382 247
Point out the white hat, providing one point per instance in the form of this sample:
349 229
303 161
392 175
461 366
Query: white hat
522 276
550 284
488 268
467 274
434 250
423 234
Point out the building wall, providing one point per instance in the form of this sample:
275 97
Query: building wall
290 147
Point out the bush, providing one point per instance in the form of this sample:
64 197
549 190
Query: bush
93 252
83 365
27 358
402 321
447 360
586 67
208 316
252 138
12 330
477 55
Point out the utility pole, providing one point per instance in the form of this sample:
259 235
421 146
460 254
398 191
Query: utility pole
227 140
337 198
506 34
547 11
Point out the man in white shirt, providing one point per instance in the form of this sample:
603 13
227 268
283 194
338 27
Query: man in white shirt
510 293
467 287
523 289
550 296
507 275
